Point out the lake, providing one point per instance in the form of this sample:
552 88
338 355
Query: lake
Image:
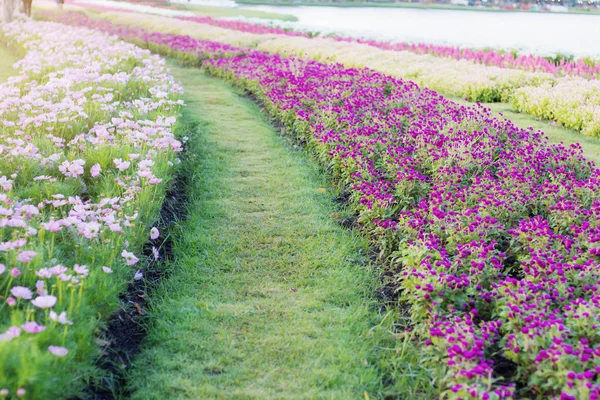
540 33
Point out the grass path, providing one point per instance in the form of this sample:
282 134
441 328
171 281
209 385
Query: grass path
7 59
268 297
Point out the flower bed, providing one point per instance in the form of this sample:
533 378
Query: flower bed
574 103
490 231
87 149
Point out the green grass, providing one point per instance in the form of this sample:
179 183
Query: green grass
217 12
268 297
556 133
7 59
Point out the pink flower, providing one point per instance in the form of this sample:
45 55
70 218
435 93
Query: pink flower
21 292
95 170
81 269
10 334
60 318
15 272
44 301
154 233
58 351
72 169
155 252
4 392
33 327
11 301
52 226
20 392
2 268
138 275
26 256
129 257
107 270
121 165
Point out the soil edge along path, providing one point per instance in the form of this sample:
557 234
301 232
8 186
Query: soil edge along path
269 297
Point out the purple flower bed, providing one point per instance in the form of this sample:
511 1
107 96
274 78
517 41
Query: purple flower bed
491 232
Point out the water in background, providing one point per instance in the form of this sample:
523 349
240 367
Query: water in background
539 33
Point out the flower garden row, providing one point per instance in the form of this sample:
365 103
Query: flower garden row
571 101
491 232
87 148
529 62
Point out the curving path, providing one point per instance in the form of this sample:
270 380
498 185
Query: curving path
268 297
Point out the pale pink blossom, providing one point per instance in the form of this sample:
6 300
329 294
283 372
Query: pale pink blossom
129 257
138 275
21 392
154 233
107 270
26 256
10 334
95 170
58 351
11 301
2 268
44 301
60 318
121 165
15 272
33 327
81 269
155 253
52 226
21 292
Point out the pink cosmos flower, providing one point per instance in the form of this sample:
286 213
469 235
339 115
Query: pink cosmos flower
11 301
81 269
60 318
15 272
26 256
156 254
52 226
154 233
20 392
10 334
129 257
121 165
107 270
4 392
95 170
2 268
40 286
58 351
44 301
33 327
21 292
